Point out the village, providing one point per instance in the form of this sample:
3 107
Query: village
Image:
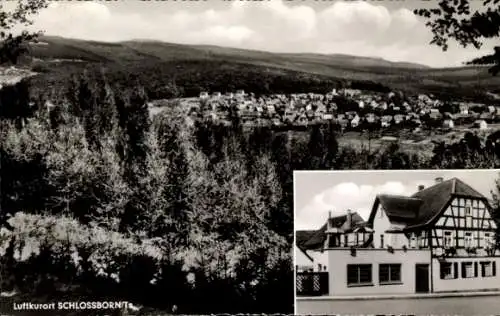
349 109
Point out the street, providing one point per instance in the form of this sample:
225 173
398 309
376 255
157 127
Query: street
477 305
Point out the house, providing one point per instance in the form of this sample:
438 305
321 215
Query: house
303 262
370 118
350 92
216 95
463 109
308 259
355 121
481 124
385 121
327 116
398 118
434 114
203 95
440 239
344 230
448 124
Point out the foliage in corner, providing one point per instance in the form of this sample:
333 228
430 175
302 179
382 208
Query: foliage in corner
458 21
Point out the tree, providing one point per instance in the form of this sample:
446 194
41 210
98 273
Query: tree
496 209
455 20
14 44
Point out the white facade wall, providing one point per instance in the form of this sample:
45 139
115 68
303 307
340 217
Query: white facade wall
478 283
340 258
302 262
381 223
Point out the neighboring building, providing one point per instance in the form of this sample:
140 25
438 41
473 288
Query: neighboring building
303 262
440 239
448 124
463 109
347 230
481 124
355 121
310 260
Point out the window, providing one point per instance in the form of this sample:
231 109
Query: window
468 240
413 241
346 240
421 239
468 211
389 273
363 237
448 270
468 270
488 241
381 241
488 268
447 239
359 274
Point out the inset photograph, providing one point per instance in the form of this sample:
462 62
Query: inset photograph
378 242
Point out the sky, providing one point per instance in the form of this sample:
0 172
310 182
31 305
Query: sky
386 28
316 193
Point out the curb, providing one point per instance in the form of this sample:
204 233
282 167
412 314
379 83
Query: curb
395 297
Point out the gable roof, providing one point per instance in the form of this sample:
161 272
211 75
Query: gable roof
425 205
400 207
435 198
301 236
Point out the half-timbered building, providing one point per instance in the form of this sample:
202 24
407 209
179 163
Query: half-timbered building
440 239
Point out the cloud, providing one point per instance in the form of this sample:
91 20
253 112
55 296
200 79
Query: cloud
348 195
353 27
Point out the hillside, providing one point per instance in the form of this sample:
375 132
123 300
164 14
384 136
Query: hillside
176 61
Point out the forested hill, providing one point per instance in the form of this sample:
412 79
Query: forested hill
159 66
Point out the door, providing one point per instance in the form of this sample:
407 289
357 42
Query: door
422 278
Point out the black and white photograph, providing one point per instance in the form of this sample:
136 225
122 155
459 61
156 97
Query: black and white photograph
397 242
148 148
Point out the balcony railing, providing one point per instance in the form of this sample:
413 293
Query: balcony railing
311 283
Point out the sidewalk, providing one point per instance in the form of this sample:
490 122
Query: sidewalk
396 296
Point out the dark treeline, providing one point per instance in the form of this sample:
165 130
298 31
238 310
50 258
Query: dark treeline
163 80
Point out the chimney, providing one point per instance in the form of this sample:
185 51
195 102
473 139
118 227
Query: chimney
439 179
421 187
349 219
328 223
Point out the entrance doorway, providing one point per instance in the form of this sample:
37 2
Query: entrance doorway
422 278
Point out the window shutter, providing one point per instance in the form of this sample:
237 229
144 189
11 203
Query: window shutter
494 269
475 269
463 270
456 269
441 270
483 269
